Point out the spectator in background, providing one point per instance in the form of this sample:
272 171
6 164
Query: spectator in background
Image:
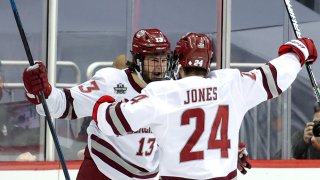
20 131
304 144
276 133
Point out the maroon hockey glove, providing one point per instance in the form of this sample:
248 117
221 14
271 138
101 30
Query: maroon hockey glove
303 47
35 79
243 159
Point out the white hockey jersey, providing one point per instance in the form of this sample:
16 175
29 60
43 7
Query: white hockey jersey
197 120
123 157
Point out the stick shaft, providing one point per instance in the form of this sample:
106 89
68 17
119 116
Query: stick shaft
41 95
297 33
21 31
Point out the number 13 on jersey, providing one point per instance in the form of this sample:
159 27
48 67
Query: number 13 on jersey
222 118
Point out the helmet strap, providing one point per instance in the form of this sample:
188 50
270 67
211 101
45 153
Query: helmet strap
176 72
139 63
139 74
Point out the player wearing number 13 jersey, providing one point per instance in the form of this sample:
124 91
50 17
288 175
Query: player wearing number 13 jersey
125 157
197 118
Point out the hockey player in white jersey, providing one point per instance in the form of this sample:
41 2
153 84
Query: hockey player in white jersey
197 118
125 157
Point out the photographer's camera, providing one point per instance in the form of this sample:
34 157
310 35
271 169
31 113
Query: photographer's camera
316 129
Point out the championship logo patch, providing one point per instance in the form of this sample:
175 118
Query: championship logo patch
120 89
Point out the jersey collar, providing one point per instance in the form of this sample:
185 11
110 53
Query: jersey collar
132 81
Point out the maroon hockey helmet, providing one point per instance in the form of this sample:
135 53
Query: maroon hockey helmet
194 50
150 42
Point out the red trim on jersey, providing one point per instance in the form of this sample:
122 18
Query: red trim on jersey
69 102
230 176
132 81
109 120
275 75
101 100
114 164
123 120
265 83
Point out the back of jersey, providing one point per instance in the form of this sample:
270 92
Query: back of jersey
197 127
197 120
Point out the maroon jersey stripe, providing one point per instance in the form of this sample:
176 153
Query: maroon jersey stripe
132 81
69 104
111 148
123 120
109 120
265 83
116 165
274 74
104 143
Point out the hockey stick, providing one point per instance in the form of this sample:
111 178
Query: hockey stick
297 33
41 95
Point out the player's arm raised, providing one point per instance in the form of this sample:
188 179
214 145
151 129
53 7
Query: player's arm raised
276 76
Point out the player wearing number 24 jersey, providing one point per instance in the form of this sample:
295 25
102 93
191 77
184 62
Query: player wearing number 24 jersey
134 156
197 118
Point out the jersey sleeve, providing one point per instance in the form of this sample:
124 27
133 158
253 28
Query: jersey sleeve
56 103
122 118
269 80
78 101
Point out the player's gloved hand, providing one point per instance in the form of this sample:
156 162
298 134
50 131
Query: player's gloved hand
101 100
243 159
303 47
35 79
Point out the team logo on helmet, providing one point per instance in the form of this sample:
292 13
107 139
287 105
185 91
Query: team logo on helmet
120 89
160 40
201 45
